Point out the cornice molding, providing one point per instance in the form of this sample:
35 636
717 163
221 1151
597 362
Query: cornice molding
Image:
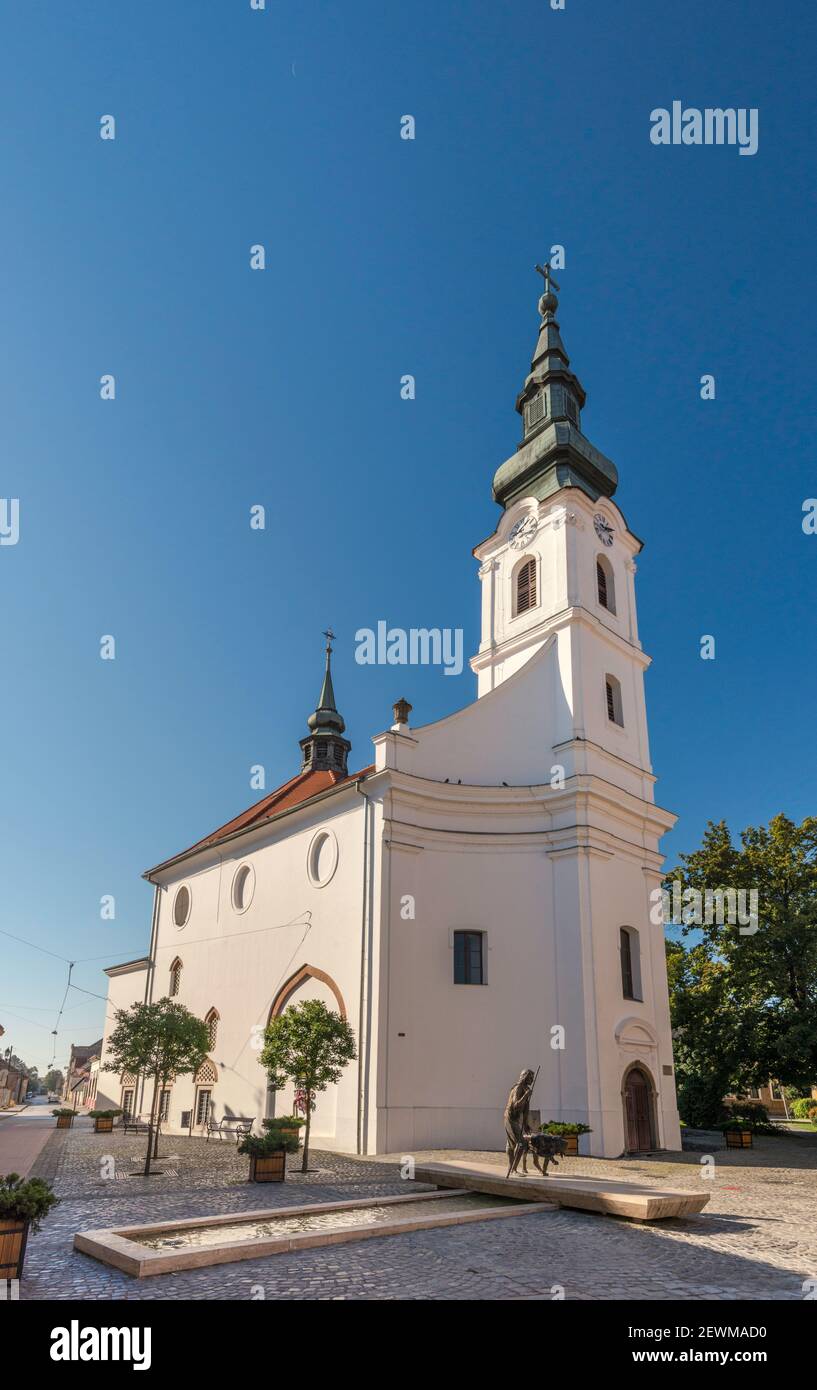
555 622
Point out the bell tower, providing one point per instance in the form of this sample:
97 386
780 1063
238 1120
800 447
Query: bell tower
561 565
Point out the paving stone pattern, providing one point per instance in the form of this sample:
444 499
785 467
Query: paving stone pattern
757 1239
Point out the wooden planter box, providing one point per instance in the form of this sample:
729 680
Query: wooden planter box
291 1132
64 1121
269 1167
103 1124
13 1237
738 1138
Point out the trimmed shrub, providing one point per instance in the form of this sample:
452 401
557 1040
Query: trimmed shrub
261 1145
751 1116
25 1200
700 1101
801 1109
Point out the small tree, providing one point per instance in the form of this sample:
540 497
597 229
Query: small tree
768 967
309 1045
163 1041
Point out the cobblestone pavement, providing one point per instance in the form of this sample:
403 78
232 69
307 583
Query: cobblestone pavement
757 1238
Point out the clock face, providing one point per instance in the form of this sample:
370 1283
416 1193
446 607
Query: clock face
523 532
604 530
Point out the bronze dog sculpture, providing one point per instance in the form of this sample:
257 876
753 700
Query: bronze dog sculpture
542 1148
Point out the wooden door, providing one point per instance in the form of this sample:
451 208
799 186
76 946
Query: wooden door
638 1113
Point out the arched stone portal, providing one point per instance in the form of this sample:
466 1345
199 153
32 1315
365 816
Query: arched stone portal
308 983
294 982
638 1099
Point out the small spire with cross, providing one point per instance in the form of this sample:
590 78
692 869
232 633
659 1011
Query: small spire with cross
324 747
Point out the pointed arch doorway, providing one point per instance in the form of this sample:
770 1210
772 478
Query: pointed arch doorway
638 1096
308 983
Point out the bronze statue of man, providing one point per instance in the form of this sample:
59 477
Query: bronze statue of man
517 1118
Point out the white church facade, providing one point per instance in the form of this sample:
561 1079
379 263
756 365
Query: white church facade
480 898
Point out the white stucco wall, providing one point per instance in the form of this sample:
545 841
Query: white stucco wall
237 961
551 899
125 987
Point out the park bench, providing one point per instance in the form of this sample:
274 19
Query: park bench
133 1124
236 1125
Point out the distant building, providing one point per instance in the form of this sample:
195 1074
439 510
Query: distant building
770 1096
13 1083
77 1077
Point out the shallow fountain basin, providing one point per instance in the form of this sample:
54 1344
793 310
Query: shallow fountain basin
167 1246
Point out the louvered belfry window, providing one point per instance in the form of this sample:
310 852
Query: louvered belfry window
526 587
535 410
611 702
602 583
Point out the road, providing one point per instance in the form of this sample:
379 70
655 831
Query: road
22 1135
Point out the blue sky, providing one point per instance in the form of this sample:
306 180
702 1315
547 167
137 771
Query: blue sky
384 257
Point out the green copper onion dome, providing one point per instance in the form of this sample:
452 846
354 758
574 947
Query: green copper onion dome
554 452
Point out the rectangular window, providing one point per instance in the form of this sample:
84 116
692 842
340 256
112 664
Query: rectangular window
164 1106
203 1107
127 1103
468 958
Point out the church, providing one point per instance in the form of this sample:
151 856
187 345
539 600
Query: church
475 900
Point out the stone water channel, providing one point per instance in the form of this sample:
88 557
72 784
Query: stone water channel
303 1222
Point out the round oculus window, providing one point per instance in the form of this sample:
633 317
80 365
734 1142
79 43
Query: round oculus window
181 906
322 859
243 887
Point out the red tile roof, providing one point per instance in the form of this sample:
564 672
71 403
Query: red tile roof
293 793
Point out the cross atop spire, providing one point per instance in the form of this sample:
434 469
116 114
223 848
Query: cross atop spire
544 271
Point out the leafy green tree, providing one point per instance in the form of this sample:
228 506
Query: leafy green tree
746 1000
309 1045
54 1081
716 1040
162 1041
